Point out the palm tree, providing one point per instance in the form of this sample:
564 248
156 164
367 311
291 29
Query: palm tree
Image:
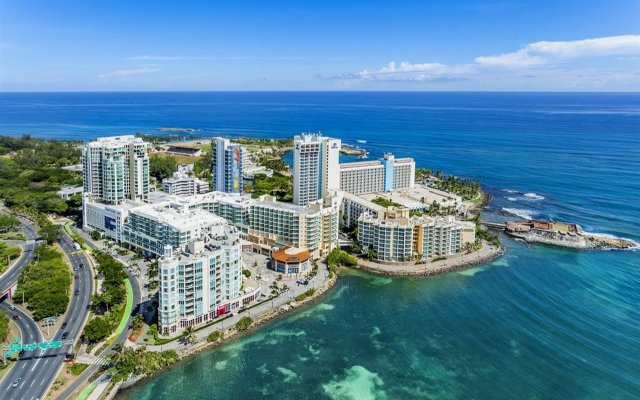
371 253
189 334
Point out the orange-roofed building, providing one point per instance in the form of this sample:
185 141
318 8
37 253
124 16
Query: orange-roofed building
291 261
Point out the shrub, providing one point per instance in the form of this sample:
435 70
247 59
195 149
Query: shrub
214 336
244 324
306 294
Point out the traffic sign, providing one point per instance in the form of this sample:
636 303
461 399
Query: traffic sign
30 346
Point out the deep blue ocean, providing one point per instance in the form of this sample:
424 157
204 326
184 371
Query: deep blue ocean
538 323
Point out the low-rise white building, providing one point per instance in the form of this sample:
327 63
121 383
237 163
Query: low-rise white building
182 183
67 191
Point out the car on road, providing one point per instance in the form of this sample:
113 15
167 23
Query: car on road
15 317
77 292
15 383
64 335
75 277
12 307
64 325
81 265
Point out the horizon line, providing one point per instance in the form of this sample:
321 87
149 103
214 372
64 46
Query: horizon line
317 91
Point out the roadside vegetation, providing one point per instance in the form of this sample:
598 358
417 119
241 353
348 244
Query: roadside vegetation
7 254
4 327
128 362
109 304
44 284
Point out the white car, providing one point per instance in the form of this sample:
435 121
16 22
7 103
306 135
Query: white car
15 383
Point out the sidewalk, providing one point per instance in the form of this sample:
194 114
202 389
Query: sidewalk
316 283
451 263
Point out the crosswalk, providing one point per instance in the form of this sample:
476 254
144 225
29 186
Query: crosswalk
102 360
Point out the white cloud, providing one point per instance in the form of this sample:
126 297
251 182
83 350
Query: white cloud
406 71
545 52
518 59
123 73
543 55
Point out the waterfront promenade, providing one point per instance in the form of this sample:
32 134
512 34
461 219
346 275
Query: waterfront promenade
259 313
451 263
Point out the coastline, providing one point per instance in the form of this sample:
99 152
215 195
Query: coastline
486 254
428 269
233 333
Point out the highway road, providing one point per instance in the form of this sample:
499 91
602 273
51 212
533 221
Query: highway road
38 371
73 390
11 275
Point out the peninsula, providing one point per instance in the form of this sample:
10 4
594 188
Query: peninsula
283 230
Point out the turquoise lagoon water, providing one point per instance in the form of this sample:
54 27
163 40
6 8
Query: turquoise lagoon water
538 323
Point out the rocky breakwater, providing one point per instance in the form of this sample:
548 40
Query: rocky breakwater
564 234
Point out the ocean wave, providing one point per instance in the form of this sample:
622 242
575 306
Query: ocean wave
522 213
534 196
512 198
510 191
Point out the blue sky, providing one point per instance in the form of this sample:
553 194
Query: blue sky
320 45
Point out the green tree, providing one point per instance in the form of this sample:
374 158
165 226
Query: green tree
45 283
4 327
8 223
161 167
97 329
137 322
50 232
189 334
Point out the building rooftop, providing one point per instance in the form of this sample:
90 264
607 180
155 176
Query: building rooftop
291 254
179 218
116 140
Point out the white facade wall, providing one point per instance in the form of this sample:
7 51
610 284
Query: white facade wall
197 288
316 161
364 177
116 168
404 239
